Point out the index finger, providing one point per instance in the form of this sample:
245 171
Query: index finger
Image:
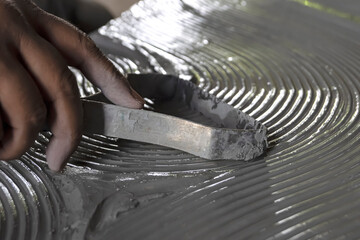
81 52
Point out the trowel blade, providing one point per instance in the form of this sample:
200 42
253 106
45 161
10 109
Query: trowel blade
232 134
146 126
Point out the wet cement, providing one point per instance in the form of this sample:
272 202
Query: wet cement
290 64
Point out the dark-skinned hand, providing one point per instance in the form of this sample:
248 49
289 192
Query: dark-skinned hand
37 87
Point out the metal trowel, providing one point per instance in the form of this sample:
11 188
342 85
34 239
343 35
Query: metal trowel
217 132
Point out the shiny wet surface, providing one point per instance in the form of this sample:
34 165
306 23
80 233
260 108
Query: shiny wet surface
293 65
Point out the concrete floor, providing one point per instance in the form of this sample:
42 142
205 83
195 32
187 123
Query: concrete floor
294 65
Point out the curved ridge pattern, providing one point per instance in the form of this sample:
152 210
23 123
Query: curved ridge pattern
282 63
290 65
30 203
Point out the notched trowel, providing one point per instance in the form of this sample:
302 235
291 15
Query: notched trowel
180 115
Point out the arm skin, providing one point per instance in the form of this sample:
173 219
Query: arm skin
36 86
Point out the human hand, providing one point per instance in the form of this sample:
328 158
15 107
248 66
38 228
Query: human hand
36 86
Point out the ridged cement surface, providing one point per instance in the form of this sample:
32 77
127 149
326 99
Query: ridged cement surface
293 65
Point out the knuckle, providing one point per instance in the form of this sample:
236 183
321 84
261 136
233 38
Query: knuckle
14 29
